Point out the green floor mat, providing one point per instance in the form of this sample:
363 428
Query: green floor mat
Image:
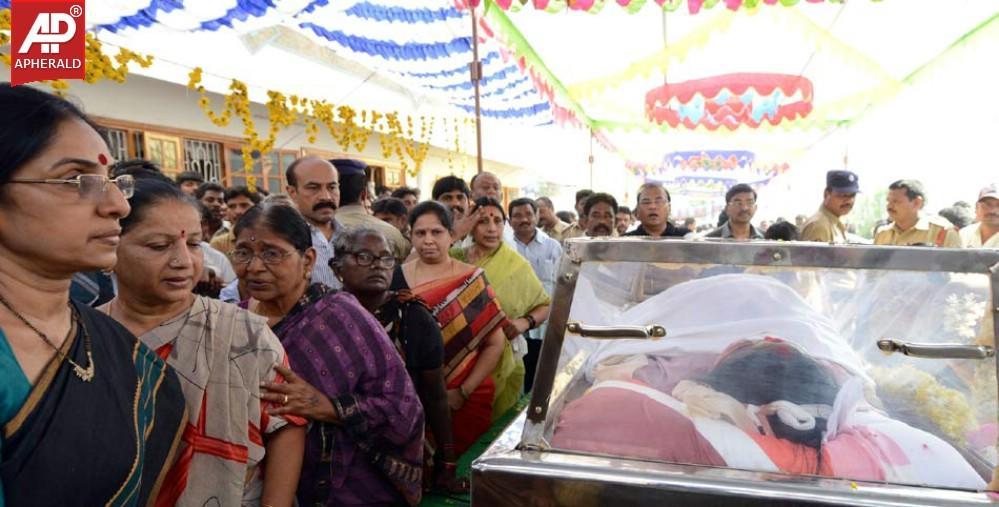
476 450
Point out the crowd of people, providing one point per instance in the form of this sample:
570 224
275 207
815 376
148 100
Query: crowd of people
171 341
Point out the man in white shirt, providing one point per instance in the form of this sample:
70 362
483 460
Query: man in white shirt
983 233
544 254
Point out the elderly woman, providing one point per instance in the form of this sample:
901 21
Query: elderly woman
364 263
221 352
90 415
520 293
468 313
365 445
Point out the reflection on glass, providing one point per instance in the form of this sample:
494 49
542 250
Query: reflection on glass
776 369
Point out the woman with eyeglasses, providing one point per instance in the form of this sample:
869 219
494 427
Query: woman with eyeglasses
364 262
90 416
221 352
365 444
469 315
523 298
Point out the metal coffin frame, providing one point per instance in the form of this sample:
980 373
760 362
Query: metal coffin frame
520 468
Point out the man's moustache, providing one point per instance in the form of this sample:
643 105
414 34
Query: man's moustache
325 204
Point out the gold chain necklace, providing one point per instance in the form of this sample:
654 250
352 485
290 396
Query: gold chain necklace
85 374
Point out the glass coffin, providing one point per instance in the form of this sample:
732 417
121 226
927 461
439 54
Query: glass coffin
838 374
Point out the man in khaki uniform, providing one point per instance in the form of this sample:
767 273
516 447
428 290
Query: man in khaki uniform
837 201
578 228
550 223
908 227
353 192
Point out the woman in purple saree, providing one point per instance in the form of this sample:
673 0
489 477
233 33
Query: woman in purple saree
365 444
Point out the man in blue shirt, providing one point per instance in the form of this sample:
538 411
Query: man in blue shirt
544 254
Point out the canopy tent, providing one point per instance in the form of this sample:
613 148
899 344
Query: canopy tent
791 82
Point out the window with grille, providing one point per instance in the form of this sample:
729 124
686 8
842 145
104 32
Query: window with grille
117 140
203 157
269 172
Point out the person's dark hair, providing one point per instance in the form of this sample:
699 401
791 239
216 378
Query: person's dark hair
207 216
913 188
489 201
722 218
523 201
285 221
402 192
139 169
544 201
434 207
149 192
748 375
450 184
566 216
737 189
583 194
390 205
963 204
351 188
190 176
624 209
381 189
959 216
29 119
783 231
262 192
343 244
241 191
209 186
134 167
598 198
646 186
689 220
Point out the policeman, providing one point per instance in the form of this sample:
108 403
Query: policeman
837 200
906 199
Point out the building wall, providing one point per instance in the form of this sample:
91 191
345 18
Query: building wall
149 104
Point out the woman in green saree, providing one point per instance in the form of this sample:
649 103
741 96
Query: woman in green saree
520 293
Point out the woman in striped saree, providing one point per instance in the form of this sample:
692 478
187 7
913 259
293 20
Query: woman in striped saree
465 306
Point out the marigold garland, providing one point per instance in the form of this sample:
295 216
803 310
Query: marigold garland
349 128
919 399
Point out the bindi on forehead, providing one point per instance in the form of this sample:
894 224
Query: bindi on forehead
102 158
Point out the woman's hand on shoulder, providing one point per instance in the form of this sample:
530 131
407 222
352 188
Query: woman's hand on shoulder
295 396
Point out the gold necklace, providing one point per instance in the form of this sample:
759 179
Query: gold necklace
85 374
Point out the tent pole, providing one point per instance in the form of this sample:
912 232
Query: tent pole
476 70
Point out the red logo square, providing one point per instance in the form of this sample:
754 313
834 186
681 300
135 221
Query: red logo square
48 40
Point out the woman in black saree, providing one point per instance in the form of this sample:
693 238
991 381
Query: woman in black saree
89 415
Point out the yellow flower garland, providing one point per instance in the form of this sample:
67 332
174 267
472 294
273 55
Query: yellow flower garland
919 399
350 129
353 133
